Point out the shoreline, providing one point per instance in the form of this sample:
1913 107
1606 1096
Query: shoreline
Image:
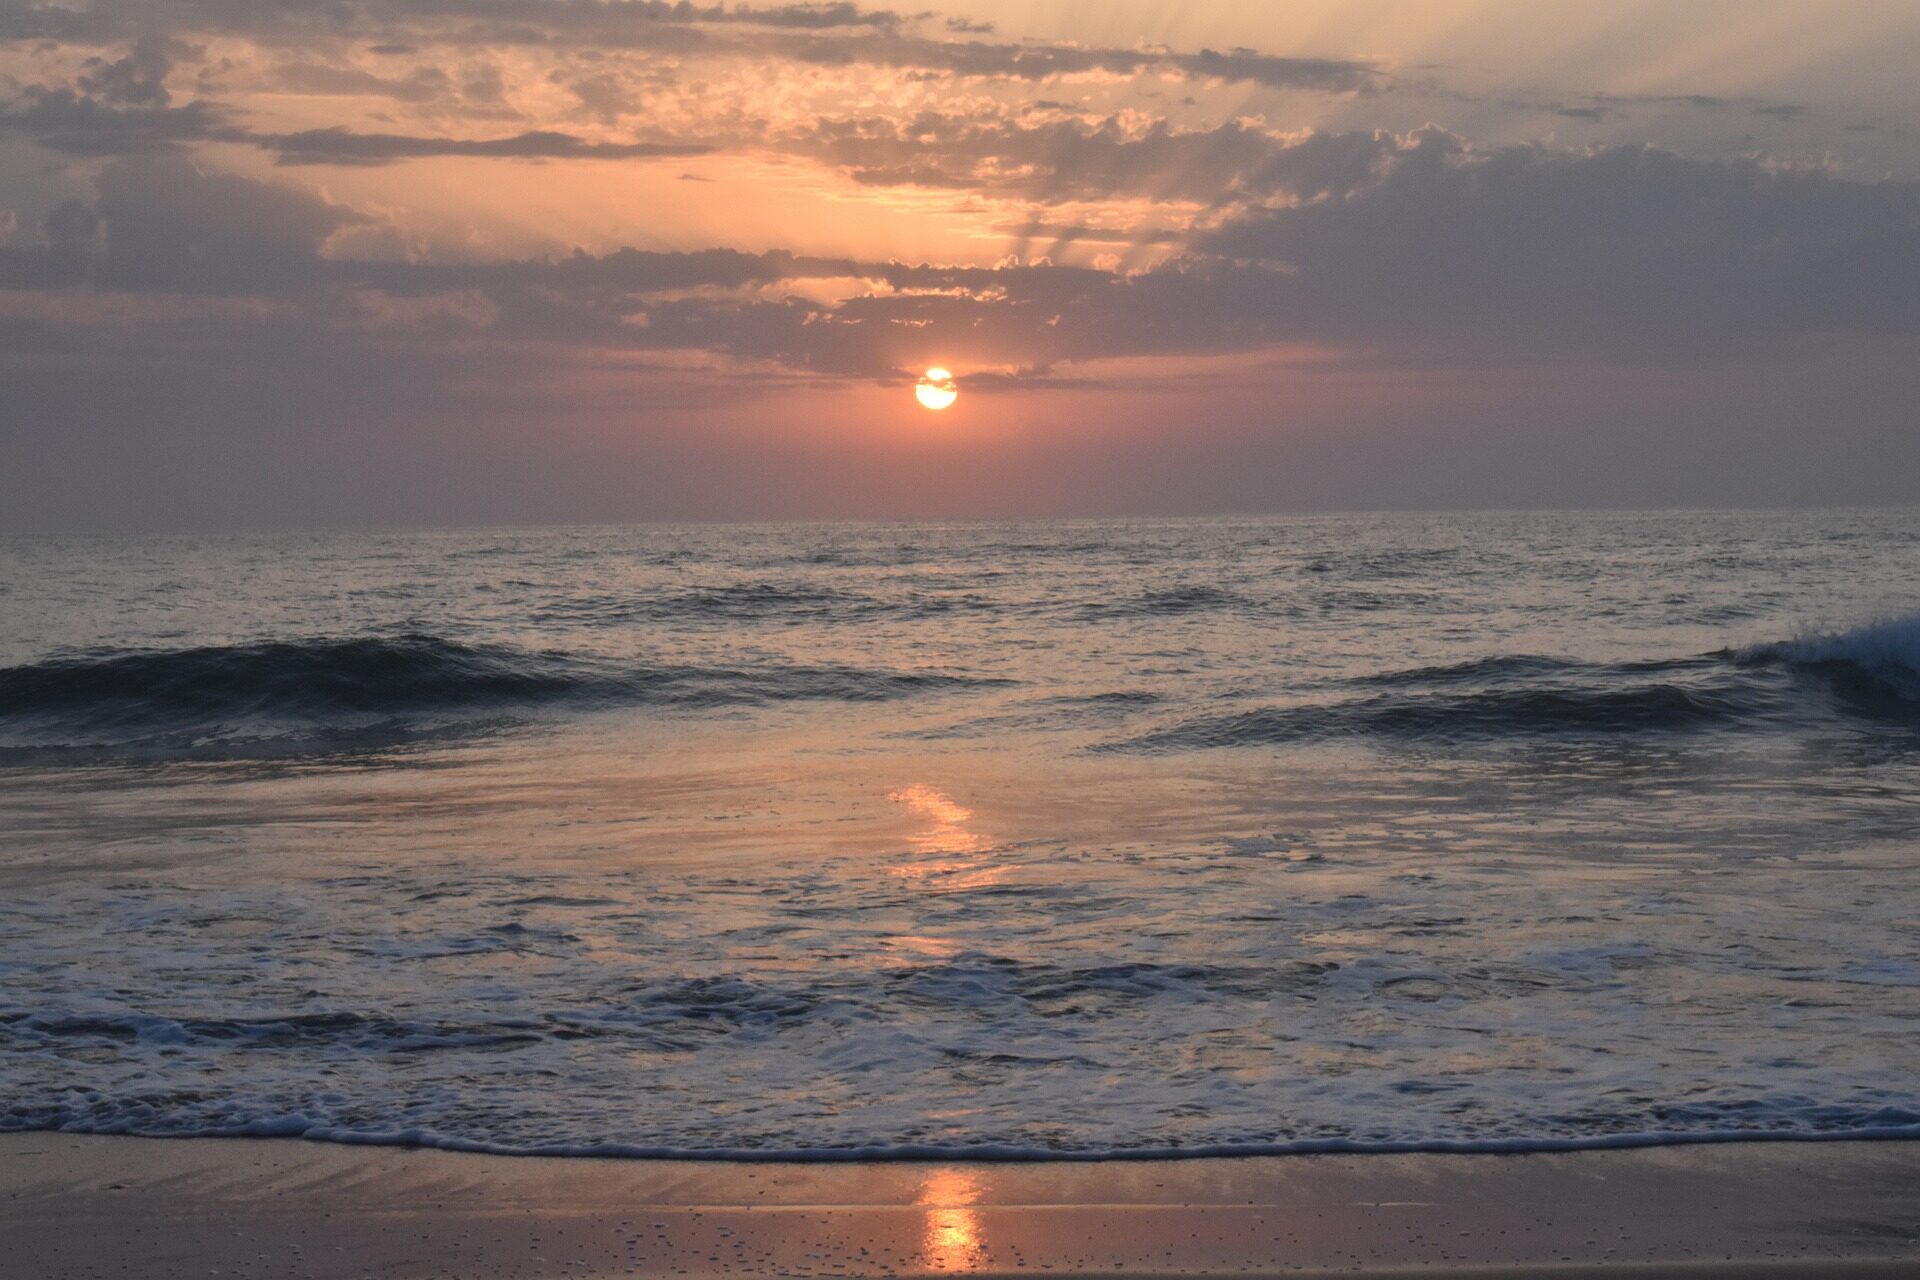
75 1205
1000 1154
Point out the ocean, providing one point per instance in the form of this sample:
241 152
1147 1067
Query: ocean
1032 840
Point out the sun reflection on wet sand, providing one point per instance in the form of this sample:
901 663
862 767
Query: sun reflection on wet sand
952 1242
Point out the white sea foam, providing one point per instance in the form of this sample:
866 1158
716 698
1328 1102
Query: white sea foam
1889 648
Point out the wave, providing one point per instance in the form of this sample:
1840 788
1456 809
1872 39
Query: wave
273 1098
1173 602
1870 674
1481 715
739 602
105 697
1525 666
1882 657
140 1117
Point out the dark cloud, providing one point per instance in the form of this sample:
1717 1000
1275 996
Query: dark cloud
63 120
1060 235
422 84
170 227
115 115
1237 65
810 16
64 260
836 34
106 21
946 150
344 147
987 60
72 225
137 80
1623 251
1406 249
1074 159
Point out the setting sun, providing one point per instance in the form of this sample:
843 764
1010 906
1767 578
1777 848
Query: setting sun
936 390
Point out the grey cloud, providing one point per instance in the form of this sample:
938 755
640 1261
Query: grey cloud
62 120
836 34
72 224
1062 234
1238 65
171 227
137 80
1626 250
423 84
341 146
1441 252
1516 254
1045 61
105 21
64 259
78 123
1076 160
812 16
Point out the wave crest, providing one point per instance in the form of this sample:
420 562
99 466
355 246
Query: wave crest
119 697
1883 655
1486 714
1869 674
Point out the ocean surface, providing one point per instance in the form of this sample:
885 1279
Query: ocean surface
1054 839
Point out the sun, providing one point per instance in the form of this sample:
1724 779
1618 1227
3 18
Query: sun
936 390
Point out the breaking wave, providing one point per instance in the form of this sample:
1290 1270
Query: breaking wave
1880 658
145 696
1871 673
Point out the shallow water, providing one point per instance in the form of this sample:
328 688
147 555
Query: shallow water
1080 838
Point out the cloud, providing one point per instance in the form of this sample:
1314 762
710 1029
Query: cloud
423 84
104 21
62 120
833 34
344 147
1031 61
128 113
1079 159
171 227
1411 248
137 80
1621 251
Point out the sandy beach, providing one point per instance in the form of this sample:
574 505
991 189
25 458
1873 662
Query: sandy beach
93 1206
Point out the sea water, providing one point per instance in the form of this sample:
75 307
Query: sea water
1054 839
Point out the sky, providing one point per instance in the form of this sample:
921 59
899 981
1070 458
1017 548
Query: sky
287 263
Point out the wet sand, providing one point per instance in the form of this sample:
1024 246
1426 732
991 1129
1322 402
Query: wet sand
92 1206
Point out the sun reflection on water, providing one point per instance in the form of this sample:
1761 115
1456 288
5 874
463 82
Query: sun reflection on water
948 832
953 855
